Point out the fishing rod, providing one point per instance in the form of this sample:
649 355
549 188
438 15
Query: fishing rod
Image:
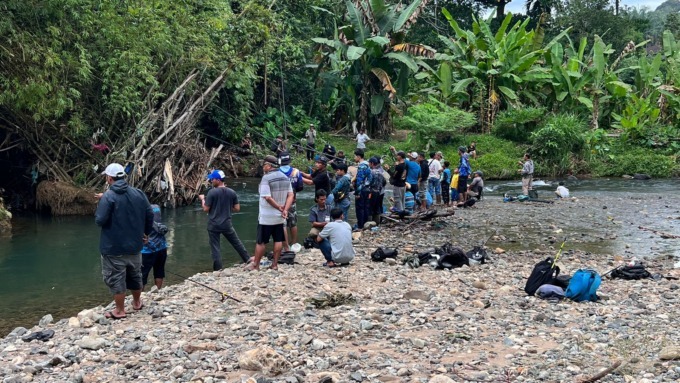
224 295
559 253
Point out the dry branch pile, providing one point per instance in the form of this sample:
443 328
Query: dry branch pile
65 199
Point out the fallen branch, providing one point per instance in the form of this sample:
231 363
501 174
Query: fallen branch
602 373
662 234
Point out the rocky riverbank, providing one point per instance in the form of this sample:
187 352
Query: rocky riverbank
472 324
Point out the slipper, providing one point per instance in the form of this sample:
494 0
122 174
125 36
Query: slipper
31 336
140 307
275 268
45 335
335 264
111 315
250 267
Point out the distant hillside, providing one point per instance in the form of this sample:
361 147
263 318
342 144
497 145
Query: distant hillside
668 6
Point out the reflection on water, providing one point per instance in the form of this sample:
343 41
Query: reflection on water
52 265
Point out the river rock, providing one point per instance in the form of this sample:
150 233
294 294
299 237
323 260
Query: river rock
73 322
417 294
91 343
265 360
642 176
46 320
318 345
670 353
441 379
326 377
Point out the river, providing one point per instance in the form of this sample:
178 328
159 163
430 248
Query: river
51 264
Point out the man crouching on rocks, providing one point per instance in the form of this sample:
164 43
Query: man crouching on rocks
335 241
126 218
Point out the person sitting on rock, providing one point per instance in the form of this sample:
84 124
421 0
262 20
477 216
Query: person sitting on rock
335 241
477 186
319 214
562 191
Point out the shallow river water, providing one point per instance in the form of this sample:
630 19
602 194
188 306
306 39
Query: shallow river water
51 265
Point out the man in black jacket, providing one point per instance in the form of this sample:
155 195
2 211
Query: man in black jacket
126 219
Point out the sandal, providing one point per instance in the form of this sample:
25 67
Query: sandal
111 315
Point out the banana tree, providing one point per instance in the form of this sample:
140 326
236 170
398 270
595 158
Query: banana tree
495 70
587 80
669 102
370 62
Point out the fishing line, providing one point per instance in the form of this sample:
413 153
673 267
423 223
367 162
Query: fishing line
223 294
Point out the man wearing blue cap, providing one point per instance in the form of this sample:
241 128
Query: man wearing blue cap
220 202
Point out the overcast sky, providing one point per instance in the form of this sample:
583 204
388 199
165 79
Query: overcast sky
518 6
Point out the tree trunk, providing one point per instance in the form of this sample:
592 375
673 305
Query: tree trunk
596 113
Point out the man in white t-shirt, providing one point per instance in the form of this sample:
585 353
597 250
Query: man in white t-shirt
335 241
362 138
434 186
562 191
276 197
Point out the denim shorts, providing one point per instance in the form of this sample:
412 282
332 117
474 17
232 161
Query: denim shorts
121 272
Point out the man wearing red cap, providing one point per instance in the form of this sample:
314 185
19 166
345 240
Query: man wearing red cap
220 202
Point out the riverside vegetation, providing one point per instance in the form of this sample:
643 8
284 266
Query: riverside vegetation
472 324
586 86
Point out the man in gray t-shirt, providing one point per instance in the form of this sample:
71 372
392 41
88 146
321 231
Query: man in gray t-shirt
219 204
276 197
335 241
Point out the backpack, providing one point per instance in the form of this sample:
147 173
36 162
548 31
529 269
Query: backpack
380 254
583 286
367 174
631 272
542 274
295 177
274 146
451 257
286 257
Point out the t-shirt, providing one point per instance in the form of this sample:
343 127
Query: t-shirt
339 234
311 136
318 215
424 170
398 179
477 182
220 200
446 176
321 181
361 141
434 167
413 172
274 184
563 191
454 181
528 168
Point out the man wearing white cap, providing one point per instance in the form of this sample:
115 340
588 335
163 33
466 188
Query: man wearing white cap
126 218
220 202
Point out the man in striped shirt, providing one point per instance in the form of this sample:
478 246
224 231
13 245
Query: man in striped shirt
276 197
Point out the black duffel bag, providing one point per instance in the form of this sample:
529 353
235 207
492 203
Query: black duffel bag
380 254
631 272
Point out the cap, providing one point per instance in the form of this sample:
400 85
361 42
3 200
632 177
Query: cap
414 155
279 135
480 173
373 160
216 175
322 160
311 124
114 170
284 158
271 160
462 149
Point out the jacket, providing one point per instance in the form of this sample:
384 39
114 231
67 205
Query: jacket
125 216
157 236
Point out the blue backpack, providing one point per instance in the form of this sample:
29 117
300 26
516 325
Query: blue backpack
583 286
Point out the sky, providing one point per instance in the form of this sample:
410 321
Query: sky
518 6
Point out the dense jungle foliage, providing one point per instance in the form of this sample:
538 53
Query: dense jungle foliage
588 86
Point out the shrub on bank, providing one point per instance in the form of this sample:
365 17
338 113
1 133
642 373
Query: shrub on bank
625 160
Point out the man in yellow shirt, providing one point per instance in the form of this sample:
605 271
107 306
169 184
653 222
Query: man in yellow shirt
454 187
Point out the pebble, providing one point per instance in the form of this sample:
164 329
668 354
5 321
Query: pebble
46 320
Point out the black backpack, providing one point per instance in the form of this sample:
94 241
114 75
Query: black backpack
286 258
451 257
631 272
380 254
542 274
274 146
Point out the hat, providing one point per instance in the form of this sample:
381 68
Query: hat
114 170
374 160
216 175
462 149
480 173
284 158
322 160
279 135
311 124
271 160
414 155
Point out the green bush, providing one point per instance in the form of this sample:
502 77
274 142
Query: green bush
496 157
626 160
559 141
433 120
517 124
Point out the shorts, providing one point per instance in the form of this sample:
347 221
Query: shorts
462 184
264 232
155 260
121 272
291 221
